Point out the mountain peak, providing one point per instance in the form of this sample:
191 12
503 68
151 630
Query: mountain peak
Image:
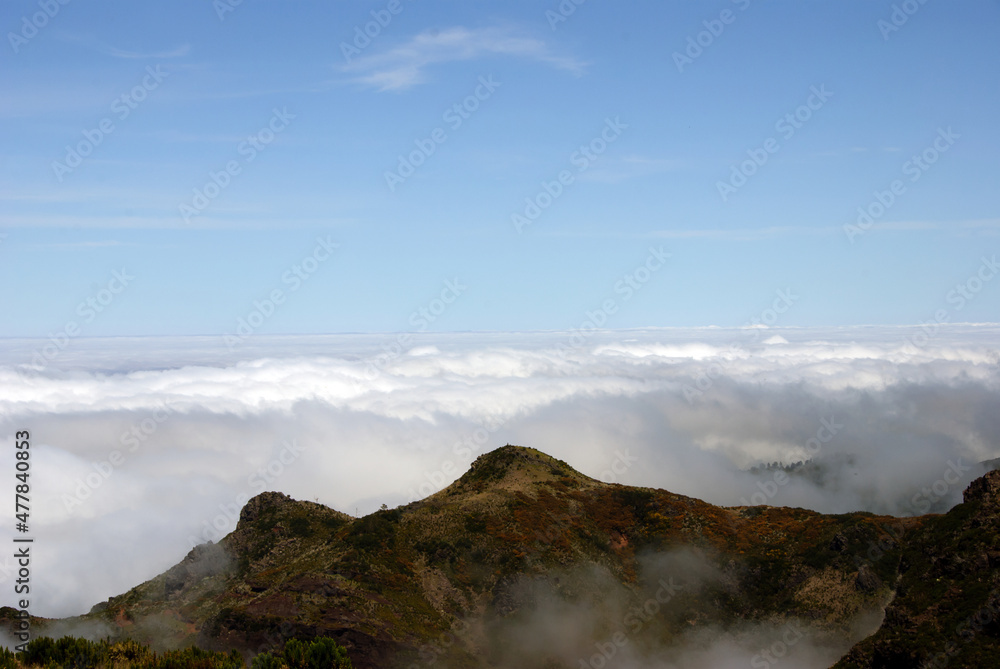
511 464
986 488
257 504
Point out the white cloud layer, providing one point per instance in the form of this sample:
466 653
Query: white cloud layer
141 447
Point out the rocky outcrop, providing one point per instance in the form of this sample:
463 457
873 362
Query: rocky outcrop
264 502
947 606
202 562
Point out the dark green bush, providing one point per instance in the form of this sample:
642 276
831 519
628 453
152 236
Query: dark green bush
268 661
8 660
375 531
128 651
73 653
299 526
195 658
321 653
67 652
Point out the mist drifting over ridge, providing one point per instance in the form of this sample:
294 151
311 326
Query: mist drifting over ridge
893 421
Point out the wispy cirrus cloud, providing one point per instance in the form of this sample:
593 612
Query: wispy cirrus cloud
95 244
985 227
854 150
744 234
960 228
91 42
406 65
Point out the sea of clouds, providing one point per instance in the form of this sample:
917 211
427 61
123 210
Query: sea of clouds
143 447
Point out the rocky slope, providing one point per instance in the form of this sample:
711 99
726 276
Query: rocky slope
946 611
524 562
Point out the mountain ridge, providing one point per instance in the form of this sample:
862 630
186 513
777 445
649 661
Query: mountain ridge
521 533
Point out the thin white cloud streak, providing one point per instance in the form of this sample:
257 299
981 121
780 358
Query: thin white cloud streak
92 42
612 171
981 226
240 218
406 65
986 224
745 234
369 438
85 245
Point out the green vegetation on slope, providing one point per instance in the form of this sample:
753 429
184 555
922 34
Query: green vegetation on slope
74 653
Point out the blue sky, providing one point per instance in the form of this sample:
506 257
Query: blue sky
206 89
692 164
